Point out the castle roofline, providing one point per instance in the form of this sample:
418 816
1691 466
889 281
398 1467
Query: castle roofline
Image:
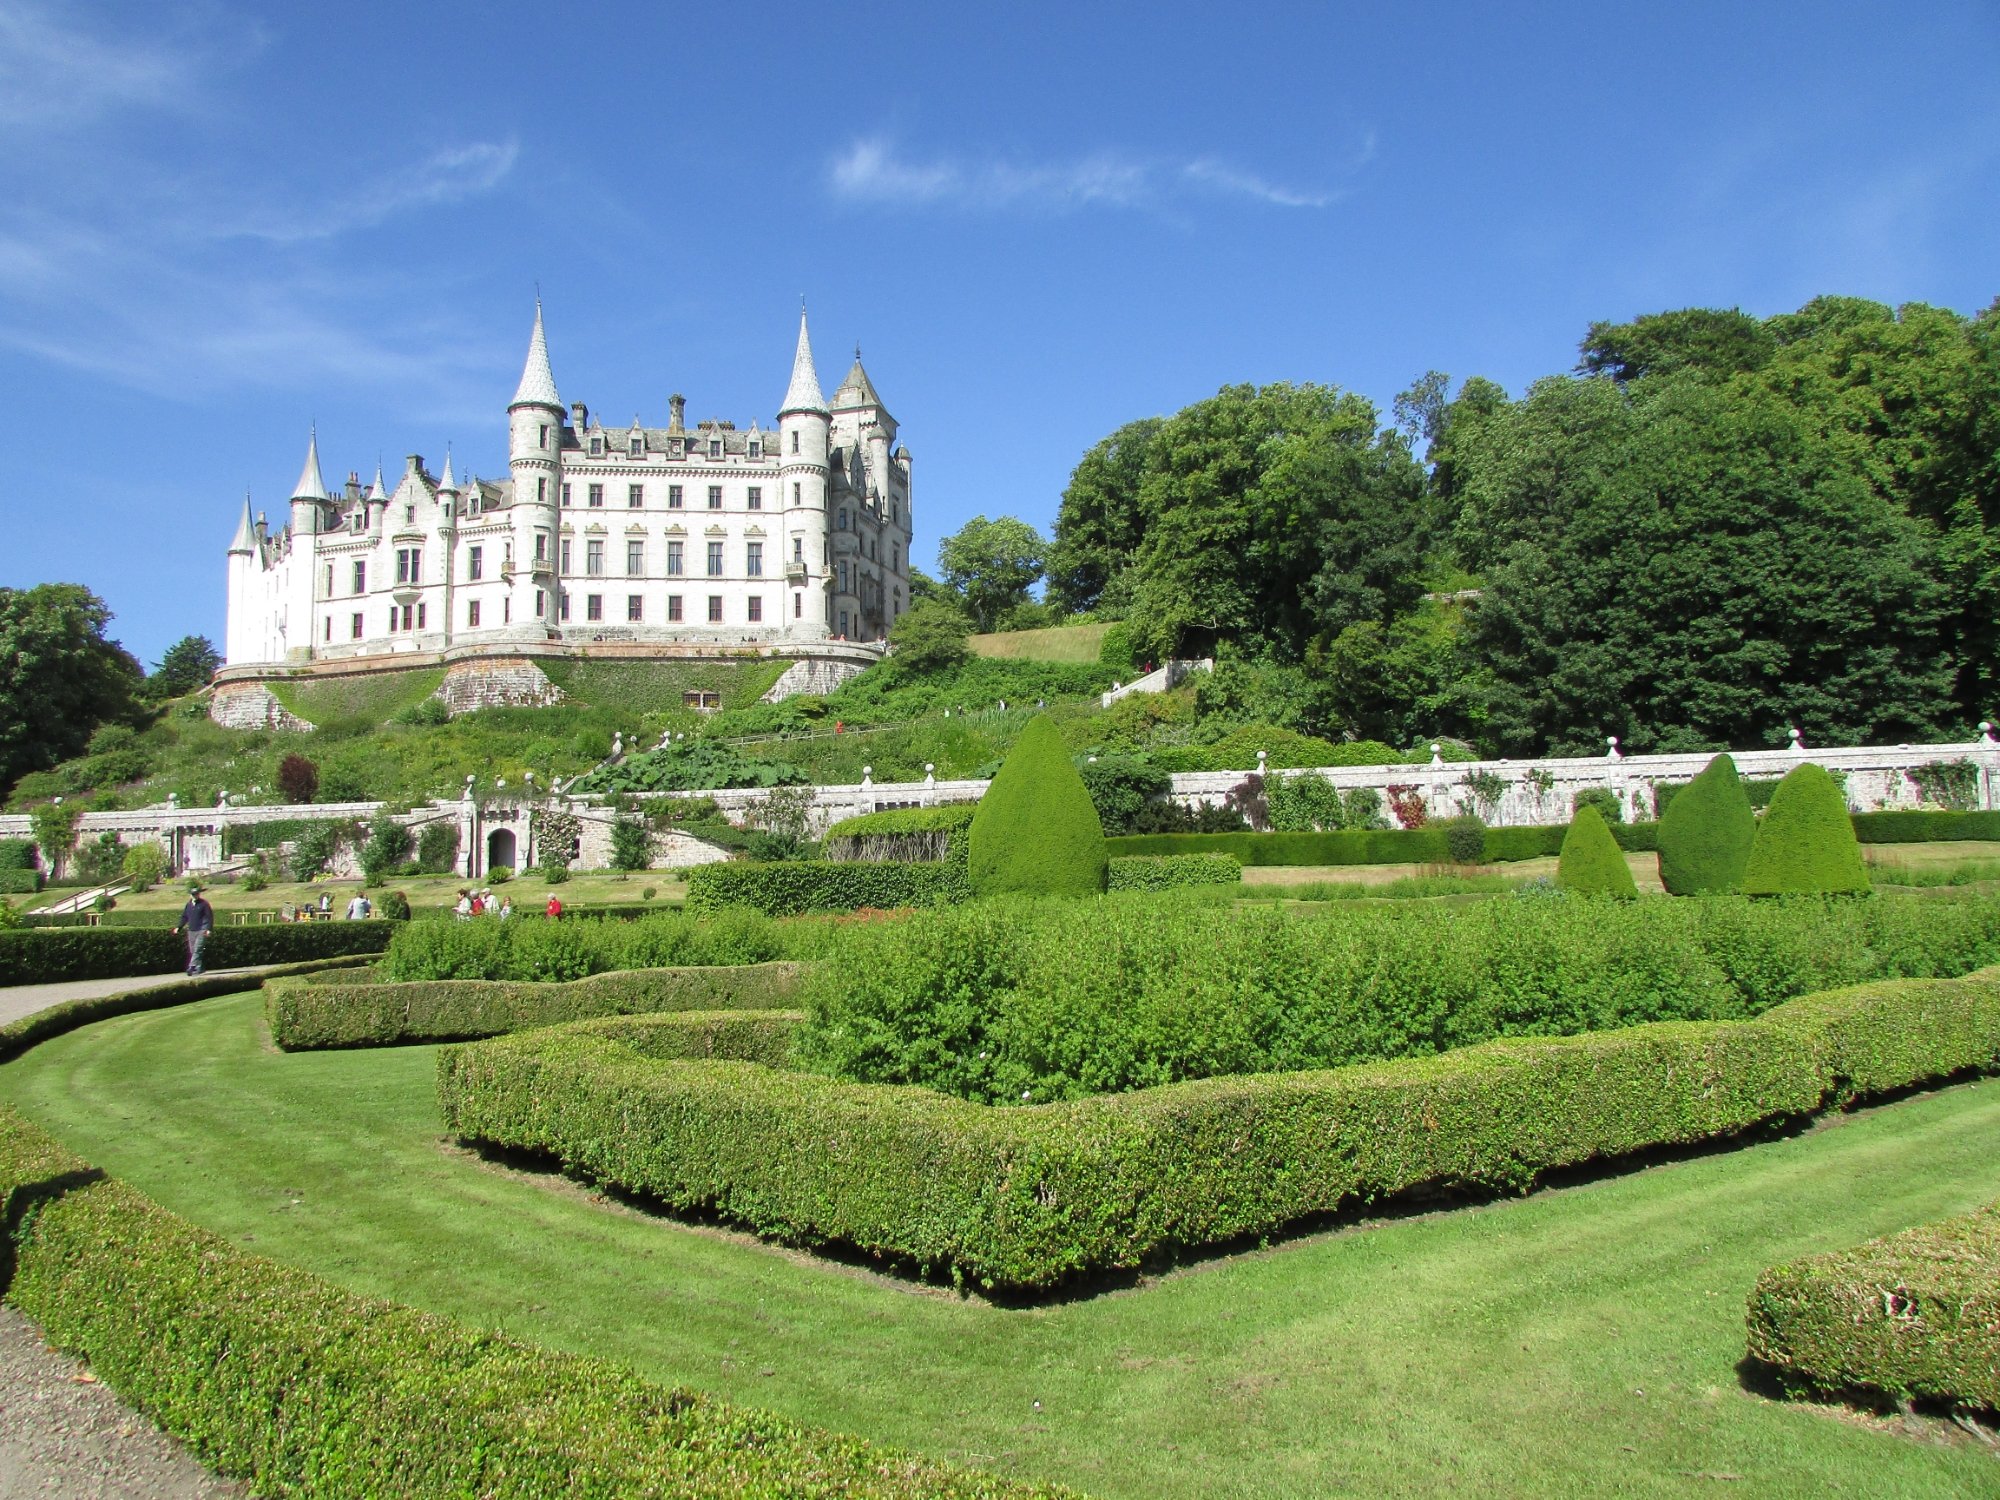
538 381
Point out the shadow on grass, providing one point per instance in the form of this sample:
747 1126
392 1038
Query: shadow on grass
24 1202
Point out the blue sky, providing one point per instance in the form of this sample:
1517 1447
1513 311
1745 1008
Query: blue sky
220 222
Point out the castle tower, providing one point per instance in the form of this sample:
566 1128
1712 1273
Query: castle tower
534 453
241 640
803 427
310 500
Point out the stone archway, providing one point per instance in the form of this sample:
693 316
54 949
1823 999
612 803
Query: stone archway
500 849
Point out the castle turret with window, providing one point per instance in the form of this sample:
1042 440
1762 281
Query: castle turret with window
626 535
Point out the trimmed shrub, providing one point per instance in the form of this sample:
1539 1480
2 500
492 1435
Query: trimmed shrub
1609 805
338 1011
1036 831
1163 872
1464 838
1062 999
904 834
270 1372
20 882
793 888
1030 1197
1591 861
1120 788
298 778
17 854
1806 841
1925 827
145 865
1706 832
437 847
1913 1316
49 955
537 949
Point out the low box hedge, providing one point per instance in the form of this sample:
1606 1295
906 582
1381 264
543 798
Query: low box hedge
20 882
1367 846
53 955
1029 1197
305 1014
1913 1316
795 887
1165 872
756 1036
1925 827
267 1371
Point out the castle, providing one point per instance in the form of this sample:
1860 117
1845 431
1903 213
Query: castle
710 538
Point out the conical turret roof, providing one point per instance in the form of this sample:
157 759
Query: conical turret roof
538 381
447 482
246 536
380 491
857 389
803 393
311 486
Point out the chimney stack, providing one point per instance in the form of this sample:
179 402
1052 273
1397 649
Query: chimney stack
677 413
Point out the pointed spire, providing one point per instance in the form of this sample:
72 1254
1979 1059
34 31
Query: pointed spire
803 394
311 486
245 538
857 389
447 482
538 381
380 491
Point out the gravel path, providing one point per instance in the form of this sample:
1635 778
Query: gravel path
65 1437
20 1000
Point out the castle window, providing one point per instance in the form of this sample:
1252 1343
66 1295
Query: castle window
753 559
895 558
795 441
541 604
674 608
756 609
635 607
329 581
542 490
635 496
472 614
756 447
795 491
541 549
565 555
506 609
638 449
896 512
715 497
673 497
409 565
715 559
715 447
593 558
420 617
593 607
798 549
673 559
328 634
843 521
843 625
798 606
565 492
755 499
562 604
475 563
843 578
597 447
597 496
354 629
715 609
545 434
409 514
635 559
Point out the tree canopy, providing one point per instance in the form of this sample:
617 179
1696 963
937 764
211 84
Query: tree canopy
991 565
188 665
59 676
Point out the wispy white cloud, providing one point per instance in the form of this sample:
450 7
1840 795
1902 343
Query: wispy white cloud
873 170
448 176
56 73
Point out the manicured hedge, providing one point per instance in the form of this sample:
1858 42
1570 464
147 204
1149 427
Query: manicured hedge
1029 1197
340 1012
1706 833
945 818
792 888
1913 1316
48 956
1036 831
121 916
1164 872
1806 842
20 882
549 951
18 1036
1368 846
1592 863
1925 827
267 1371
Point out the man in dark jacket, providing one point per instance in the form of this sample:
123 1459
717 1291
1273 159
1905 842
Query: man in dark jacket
197 922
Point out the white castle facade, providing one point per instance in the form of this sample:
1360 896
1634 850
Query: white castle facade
684 538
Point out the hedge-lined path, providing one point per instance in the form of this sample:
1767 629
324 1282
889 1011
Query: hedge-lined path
1580 1341
63 1436
19 1000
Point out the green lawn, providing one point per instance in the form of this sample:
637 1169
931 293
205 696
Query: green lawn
1581 1341
1072 643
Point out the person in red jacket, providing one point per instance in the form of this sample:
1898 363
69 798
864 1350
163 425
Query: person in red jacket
554 908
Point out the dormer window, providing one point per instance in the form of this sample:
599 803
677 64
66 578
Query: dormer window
715 447
756 447
638 446
597 447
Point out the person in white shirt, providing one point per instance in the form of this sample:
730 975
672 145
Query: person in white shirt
357 909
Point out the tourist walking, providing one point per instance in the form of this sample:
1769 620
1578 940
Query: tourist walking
506 907
357 909
197 922
463 911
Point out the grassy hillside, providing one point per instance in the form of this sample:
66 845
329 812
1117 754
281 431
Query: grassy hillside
1061 643
358 702
657 687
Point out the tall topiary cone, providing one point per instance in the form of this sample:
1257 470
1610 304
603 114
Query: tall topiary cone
1036 830
1591 860
1706 831
1806 841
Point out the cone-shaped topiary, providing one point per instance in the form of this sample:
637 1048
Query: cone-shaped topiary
1806 841
1705 832
1591 860
1036 830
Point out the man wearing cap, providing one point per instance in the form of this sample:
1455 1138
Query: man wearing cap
197 922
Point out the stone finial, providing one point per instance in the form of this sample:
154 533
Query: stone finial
1798 741
1612 751
1437 759
1986 734
867 776
1262 756
930 773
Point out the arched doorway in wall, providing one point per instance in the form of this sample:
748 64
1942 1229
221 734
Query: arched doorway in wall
500 848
